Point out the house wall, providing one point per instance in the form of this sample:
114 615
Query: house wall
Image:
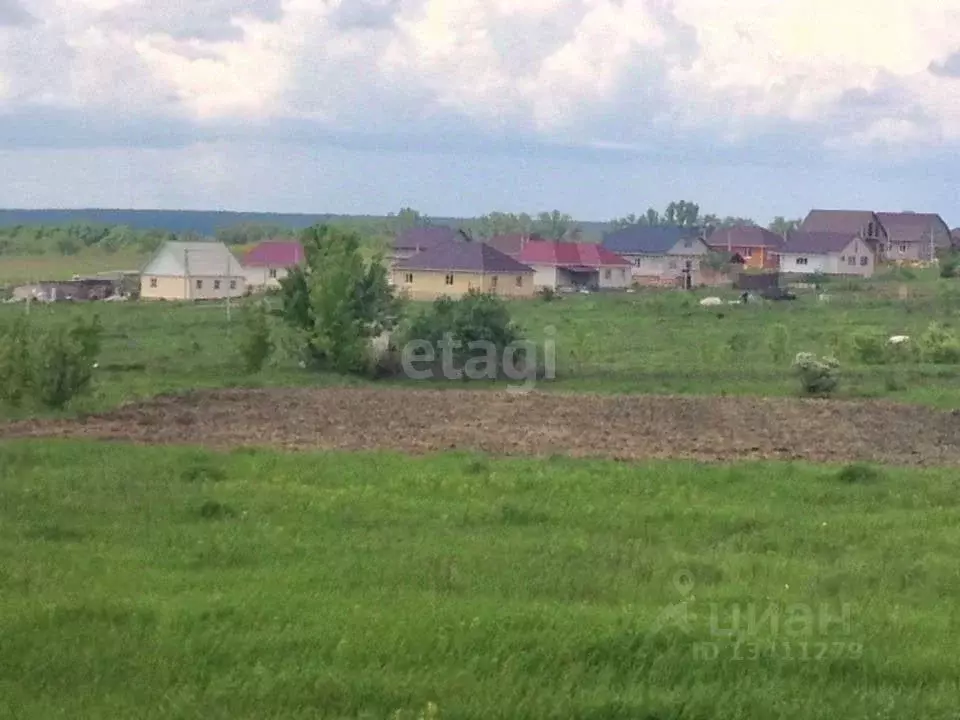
755 258
546 276
429 284
619 277
260 276
833 263
178 288
911 249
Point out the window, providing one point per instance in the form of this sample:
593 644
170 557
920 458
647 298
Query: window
673 264
493 281
448 279
607 274
273 272
864 260
408 278
903 247
801 261
199 284
852 260
870 229
638 261
843 258
519 280
216 284
233 284
153 282
748 252
688 243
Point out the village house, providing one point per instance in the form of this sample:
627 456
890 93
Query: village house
512 243
192 271
827 253
268 262
862 223
914 236
660 255
757 247
573 265
453 268
408 243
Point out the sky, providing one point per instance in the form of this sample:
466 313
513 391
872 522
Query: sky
598 108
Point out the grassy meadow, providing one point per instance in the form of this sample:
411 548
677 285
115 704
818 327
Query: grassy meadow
174 583
22 269
647 342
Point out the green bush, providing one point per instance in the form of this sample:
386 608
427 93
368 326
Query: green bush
950 265
871 348
50 367
255 343
778 339
547 293
939 346
818 376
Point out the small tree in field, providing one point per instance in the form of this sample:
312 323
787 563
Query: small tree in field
255 341
337 301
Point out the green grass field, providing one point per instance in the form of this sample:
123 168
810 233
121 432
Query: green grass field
629 343
15 270
171 583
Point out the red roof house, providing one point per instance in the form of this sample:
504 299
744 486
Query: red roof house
576 265
269 261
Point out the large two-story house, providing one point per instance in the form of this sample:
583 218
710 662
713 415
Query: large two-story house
660 255
863 224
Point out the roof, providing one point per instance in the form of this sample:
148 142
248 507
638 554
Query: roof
816 243
838 221
424 238
569 254
909 226
476 257
511 243
208 258
647 239
275 253
744 236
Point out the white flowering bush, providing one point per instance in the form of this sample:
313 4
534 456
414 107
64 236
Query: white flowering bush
818 376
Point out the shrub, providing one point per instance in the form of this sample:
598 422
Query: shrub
49 367
818 376
940 346
15 363
950 265
62 361
546 293
255 344
777 340
859 473
871 348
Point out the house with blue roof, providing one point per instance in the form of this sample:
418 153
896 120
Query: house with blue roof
659 255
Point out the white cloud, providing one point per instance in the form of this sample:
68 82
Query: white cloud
597 71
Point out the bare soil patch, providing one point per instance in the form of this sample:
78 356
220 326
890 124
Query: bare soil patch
622 427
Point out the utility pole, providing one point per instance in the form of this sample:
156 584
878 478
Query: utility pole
186 273
229 293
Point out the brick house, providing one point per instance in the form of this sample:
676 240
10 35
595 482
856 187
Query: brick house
757 246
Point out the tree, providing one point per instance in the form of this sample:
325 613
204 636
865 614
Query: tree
554 225
337 301
406 219
682 213
501 223
781 225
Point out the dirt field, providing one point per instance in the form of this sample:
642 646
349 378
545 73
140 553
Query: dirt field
633 427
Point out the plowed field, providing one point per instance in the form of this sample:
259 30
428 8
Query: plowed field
622 427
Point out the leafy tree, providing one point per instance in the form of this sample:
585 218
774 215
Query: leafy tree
781 225
255 341
406 219
337 301
554 225
500 223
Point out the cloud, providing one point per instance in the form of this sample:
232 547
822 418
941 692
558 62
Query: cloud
798 83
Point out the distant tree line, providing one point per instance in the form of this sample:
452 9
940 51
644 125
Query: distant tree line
75 237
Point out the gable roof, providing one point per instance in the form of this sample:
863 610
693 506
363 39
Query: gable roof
743 236
647 239
569 254
275 253
839 221
512 243
424 238
816 243
207 258
475 257
910 226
